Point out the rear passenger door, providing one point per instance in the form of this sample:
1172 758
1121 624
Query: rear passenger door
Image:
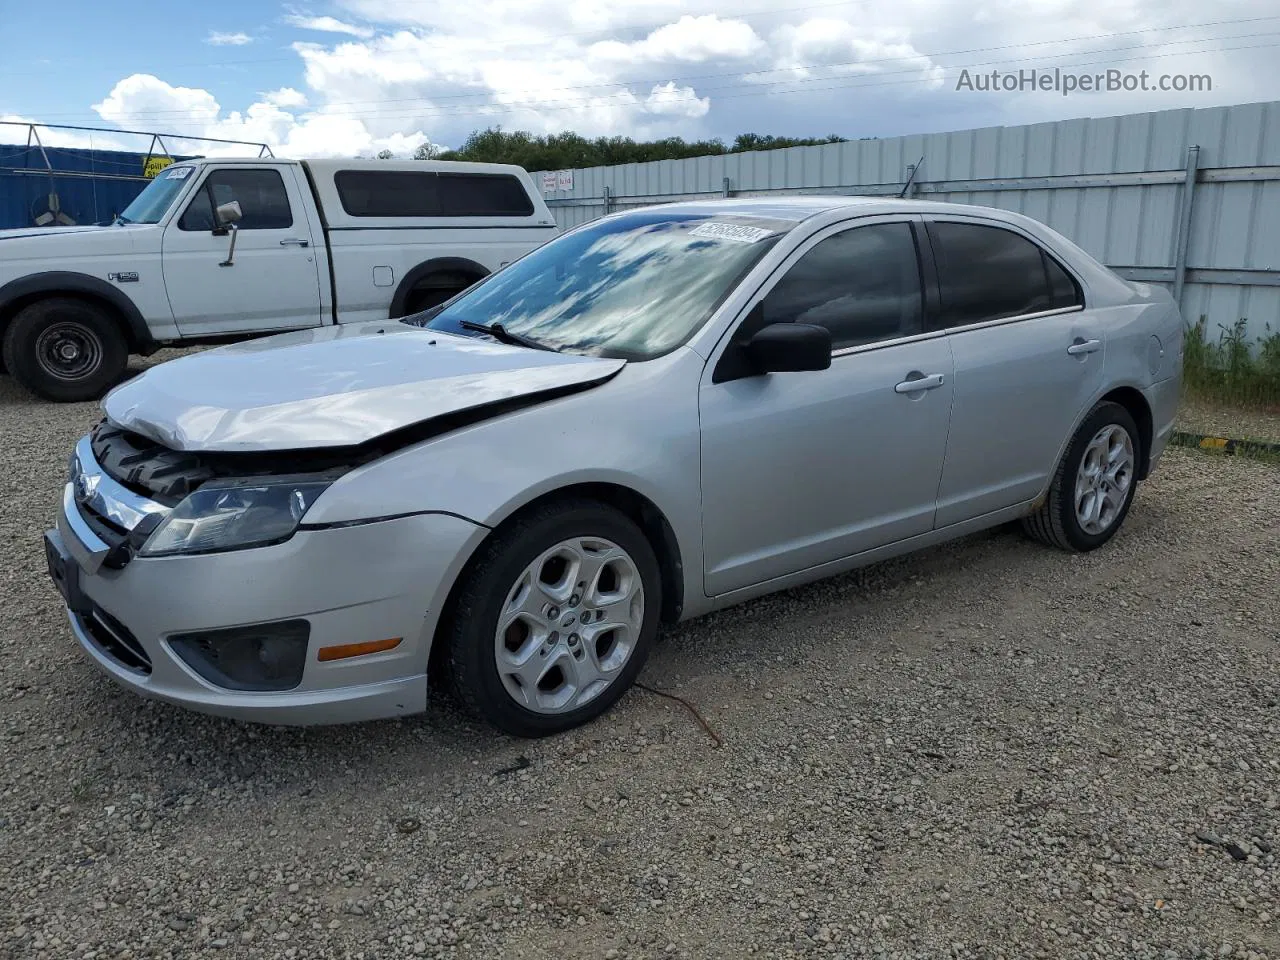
272 282
1028 361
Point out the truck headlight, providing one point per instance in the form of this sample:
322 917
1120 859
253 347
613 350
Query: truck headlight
233 515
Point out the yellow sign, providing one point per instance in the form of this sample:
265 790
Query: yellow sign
154 165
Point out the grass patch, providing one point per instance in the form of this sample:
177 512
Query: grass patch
1232 370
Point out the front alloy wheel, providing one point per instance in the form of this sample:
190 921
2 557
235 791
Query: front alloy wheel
553 618
570 624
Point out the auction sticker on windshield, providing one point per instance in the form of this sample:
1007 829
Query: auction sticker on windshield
178 173
713 230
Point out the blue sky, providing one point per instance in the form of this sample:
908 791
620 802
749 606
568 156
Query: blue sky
355 76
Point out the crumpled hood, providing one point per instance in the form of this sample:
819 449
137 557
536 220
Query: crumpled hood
334 387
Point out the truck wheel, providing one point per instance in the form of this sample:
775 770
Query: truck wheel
65 350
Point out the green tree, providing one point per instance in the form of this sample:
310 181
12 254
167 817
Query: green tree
561 151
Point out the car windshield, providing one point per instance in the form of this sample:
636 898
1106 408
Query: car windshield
154 201
634 287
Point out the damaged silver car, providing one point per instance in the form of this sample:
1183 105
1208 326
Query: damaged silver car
658 414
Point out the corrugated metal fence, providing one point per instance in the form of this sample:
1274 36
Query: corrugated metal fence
1188 198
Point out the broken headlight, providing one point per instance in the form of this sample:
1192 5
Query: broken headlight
234 515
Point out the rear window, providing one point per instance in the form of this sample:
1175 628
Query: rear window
408 193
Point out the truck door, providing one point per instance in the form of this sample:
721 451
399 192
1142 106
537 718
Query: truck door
273 280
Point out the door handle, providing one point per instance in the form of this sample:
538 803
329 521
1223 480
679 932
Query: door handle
1081 347
923 382
295 240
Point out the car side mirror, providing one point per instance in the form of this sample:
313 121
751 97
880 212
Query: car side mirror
790 348
228 215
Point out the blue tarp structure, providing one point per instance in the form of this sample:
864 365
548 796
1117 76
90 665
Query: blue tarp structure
95 185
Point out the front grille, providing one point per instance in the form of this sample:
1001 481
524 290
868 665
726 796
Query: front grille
109 532
115 640
167 476
146 467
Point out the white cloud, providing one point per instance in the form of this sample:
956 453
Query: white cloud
327 25
217 38
688 40
142 99
669 100
390 74
285 97
826 47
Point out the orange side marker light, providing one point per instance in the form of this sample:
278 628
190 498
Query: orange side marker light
345 650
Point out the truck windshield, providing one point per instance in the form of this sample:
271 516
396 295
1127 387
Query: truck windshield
155 200
634 287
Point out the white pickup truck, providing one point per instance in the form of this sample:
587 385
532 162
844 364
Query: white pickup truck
218 250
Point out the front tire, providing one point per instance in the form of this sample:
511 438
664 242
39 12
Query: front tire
65 350
1094 485
554 619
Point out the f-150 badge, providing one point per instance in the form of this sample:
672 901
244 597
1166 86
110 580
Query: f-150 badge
128 276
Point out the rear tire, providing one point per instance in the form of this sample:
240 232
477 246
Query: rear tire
65 350
1094 484
554 619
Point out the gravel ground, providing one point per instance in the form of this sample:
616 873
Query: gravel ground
1217 420
984 750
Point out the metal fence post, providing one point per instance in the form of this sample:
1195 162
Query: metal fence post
1184 224
608 201
726 188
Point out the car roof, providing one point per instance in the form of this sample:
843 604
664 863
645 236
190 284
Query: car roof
802 207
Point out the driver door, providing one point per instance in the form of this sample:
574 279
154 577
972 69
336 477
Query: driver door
800 469
273 281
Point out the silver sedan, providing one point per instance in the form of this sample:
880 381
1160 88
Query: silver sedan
661 413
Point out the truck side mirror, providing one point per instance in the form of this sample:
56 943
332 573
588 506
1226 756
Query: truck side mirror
228 215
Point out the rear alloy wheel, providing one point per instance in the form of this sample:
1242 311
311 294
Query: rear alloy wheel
1094 485
65 350
555 619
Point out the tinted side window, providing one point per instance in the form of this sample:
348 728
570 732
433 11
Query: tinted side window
391 193
1064 290
261 193
863 285
987 273
483 195
405 193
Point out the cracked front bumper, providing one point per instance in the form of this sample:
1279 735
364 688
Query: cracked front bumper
356 584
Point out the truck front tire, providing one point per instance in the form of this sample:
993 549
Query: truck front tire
65 350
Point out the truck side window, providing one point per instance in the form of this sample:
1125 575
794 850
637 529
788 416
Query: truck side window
263 200
407 193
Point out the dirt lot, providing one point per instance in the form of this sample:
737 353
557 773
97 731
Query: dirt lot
985 750
1220 420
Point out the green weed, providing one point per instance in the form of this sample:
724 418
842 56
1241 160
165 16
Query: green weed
1232 370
